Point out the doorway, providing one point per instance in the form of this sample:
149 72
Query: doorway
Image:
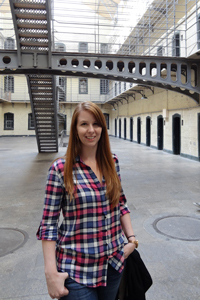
120 127
160 132
148 131
125 128
198 130
131 129
138 130
176 134
115 127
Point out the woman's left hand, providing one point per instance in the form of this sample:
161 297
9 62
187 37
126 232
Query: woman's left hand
128 249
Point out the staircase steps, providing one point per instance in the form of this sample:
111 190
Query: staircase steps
32 25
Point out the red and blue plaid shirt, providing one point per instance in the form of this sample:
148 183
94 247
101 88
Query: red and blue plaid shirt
90 235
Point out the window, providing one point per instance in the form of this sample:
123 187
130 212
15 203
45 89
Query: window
132 49
160 51
104 48
107 120
62 82
9 84
115 88
83 86
104 86
176 44
198 32
8 121
62 89
60 47
9 44
120 90
83 47
124 86
31 124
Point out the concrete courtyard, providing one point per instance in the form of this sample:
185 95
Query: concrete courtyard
160 189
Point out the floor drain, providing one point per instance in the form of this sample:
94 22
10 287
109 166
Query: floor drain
11 240
184 228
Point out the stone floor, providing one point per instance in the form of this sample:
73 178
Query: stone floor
160 189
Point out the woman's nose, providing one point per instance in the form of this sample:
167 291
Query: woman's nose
91 128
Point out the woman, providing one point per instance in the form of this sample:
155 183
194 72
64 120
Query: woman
84 257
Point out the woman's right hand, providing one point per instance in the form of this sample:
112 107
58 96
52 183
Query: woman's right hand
56 284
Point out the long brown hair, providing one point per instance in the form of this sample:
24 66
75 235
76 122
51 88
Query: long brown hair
104 157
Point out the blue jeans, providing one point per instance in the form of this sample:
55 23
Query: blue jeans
81 292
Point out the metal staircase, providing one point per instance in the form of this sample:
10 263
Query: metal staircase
41 90
33 36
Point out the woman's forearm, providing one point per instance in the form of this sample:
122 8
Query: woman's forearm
55 280
126 225
48 248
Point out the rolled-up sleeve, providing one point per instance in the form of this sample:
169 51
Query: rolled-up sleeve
48 229
122 201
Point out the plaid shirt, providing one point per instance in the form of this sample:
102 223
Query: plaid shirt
90 235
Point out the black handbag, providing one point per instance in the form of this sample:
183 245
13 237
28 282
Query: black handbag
136 279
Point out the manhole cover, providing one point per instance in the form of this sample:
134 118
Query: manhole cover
179 227
11 240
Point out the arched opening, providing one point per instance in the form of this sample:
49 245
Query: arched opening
115 127
160 132
148 131
125 128
138 130
198 130
131 129
120 127
176 134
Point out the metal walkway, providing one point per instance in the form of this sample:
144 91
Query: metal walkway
32 29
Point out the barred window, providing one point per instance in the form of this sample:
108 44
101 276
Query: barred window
8 121
120 90
115 88
9 44
62 89
160 51
104 86
198 32
62 82
60 47
9 84
176 44
107 120
104 48
83 86
83 47
31 124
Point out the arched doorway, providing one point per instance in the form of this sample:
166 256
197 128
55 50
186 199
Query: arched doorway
138 130
120 127
115 127
131 129
148 131
160 132
176 134
198 130
125 128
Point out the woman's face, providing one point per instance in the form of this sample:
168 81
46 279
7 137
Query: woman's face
88 129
